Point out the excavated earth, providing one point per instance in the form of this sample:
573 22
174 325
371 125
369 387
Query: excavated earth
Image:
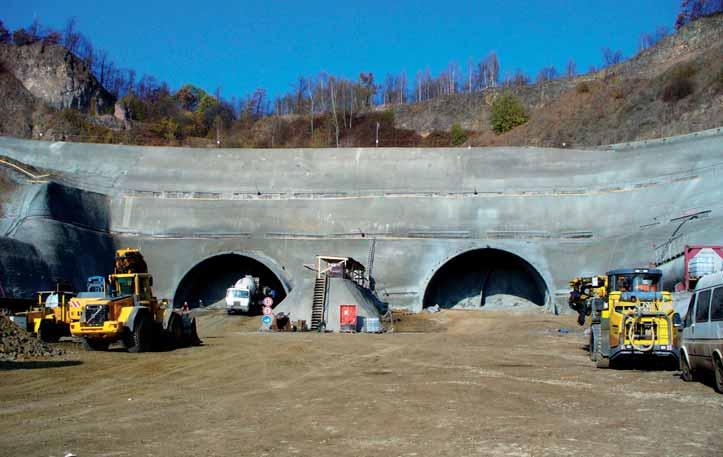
481 383
17 344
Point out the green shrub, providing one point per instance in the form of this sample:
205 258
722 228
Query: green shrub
582 88
683 70
507 113
718 80
459 135
677 89
387 117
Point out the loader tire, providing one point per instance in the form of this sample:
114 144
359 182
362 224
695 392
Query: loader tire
141 338
192 338
173 337
592 348
95 345
48 333
602 362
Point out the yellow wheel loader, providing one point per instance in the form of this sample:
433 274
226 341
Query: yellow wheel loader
50 318
129 313
631 317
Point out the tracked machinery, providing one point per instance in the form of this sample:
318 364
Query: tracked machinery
630 316
128 312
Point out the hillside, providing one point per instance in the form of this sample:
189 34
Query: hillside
674 87
621 103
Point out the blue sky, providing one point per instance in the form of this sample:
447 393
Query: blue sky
242 45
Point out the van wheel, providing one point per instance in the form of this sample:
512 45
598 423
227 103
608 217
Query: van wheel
718 368
686 373
139 340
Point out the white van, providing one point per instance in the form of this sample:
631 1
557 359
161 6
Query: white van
701 347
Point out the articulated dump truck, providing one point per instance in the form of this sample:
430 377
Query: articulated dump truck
130 313
631 318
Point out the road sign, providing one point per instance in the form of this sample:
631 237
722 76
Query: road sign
267 311
268 301
266 322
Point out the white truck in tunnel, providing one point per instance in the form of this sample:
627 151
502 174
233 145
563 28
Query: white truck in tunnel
241 298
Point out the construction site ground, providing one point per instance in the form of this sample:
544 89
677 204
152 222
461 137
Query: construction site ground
454 383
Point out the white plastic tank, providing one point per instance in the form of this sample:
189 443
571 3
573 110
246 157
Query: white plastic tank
707 261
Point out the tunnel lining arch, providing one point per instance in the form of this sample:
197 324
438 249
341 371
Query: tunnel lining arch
262 260
543 282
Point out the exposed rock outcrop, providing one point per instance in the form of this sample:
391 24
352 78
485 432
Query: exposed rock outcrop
55 76
16 106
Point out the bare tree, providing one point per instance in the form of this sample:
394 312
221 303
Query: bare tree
692 10
402 84
546 74
518 79
469 75
648 40
311 104
85 51
611 57
570 72
71 37
333 110
4 33
34 30
101 65
493 69
645 41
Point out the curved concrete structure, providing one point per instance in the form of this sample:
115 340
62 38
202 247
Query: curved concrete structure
563 212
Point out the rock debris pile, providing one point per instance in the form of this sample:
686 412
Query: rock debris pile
16 343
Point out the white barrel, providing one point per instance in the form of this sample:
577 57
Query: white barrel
372 325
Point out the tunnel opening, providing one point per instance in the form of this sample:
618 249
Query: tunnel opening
485 278
206 283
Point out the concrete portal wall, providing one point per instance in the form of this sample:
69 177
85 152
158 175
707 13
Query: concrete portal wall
565 212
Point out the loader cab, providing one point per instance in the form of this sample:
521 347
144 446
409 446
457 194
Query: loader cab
138 284
631 287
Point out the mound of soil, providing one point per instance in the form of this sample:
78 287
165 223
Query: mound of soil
16 343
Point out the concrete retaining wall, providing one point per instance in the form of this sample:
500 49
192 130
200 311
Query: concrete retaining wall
565 212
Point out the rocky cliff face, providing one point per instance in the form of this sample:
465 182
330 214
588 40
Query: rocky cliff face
55 76
16 106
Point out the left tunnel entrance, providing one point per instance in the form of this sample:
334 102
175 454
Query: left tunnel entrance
206 283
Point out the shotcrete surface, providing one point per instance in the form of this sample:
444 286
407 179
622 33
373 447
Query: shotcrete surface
483 384
564 212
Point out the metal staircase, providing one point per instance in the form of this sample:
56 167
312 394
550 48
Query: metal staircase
321 288
370 262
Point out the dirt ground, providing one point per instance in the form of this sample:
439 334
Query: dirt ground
481 383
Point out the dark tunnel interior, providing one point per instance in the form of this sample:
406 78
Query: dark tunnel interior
209 280
469 279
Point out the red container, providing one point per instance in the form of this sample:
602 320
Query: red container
347 318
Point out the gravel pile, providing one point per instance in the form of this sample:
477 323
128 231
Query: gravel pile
16 343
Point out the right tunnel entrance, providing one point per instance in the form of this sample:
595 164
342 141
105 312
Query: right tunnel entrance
485 278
